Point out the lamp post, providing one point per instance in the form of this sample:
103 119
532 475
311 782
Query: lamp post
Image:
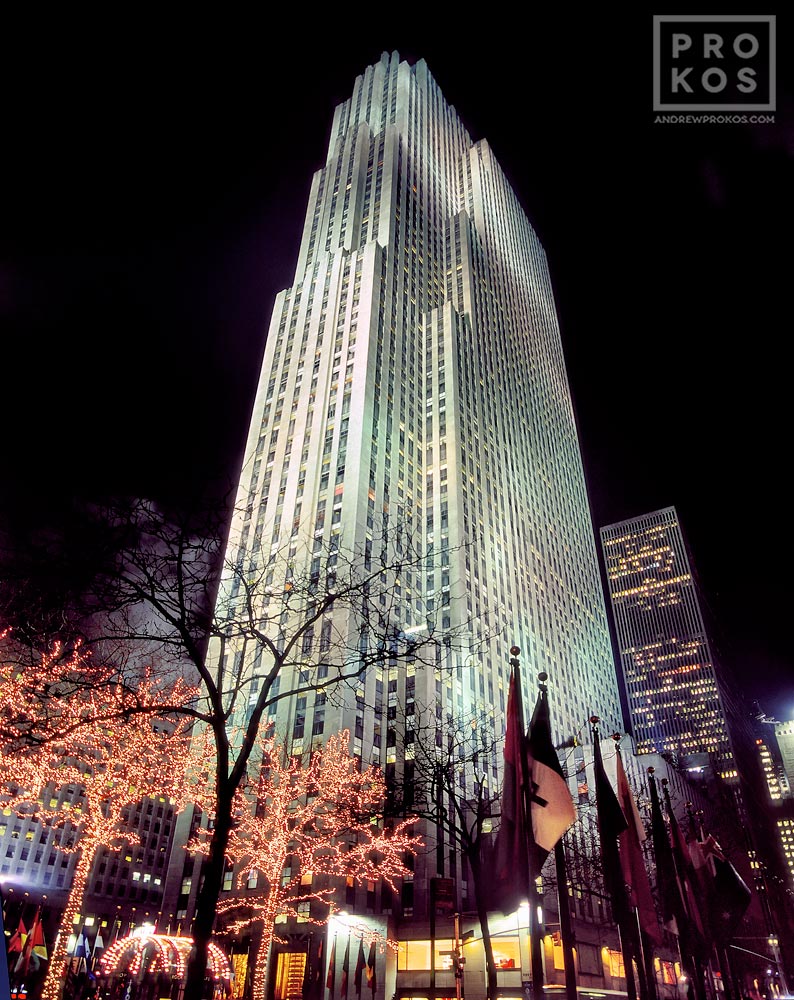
774 944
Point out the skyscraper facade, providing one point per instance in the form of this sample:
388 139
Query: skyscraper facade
414 377
674 697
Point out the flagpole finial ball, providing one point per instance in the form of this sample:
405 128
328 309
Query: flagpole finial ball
514 650
543 677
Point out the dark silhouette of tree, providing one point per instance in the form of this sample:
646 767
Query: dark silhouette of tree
248 624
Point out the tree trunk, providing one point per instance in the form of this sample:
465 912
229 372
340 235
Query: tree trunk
58 970
261 961
208 896
480 898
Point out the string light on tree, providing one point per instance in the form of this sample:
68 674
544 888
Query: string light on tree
303 826
82 757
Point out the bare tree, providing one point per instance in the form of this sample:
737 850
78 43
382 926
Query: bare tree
449 781
277 622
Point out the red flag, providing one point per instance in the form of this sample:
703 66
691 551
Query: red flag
17 940
511 869
686 876
345 969
632 862
361 964
331 977
35 947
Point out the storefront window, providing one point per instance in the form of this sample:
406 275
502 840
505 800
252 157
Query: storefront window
506 953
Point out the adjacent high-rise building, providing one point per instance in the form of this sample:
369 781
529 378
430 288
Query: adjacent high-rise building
671 684
414 393
784 734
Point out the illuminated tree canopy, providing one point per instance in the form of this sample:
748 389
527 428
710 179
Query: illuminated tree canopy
301 830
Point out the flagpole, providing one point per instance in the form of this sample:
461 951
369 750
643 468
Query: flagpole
617 905
535 904
697 964
646 982
563 907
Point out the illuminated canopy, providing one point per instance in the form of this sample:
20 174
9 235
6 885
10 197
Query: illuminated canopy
159 953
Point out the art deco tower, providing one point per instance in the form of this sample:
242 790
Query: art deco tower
414 372
674 697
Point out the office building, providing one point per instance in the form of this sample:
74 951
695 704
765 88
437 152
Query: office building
675 702
784 734
414 380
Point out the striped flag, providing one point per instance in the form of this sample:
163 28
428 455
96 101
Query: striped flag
551 806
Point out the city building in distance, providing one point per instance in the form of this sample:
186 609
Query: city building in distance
680 703
414 392
675 701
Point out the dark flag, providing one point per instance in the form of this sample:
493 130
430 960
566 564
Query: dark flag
551 807
511 869
318 972
308 972
611 824
371 977
345 970
725 891
635 875
330 979
731 898
665 869
698 933
361 964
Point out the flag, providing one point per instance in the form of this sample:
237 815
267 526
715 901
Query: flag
17 940
318 973
361 964
611 824
308 972
635 874
345 969
35 949
698 933
724 890
330 979
731 898
371 977
83 951
551 806
99 945
665 869
511 868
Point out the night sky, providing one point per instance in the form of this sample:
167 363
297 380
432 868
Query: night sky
155 187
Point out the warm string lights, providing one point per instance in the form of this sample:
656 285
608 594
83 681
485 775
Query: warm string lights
81 757
159 953
303 827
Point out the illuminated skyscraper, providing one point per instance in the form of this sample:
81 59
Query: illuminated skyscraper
673 694
414 376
